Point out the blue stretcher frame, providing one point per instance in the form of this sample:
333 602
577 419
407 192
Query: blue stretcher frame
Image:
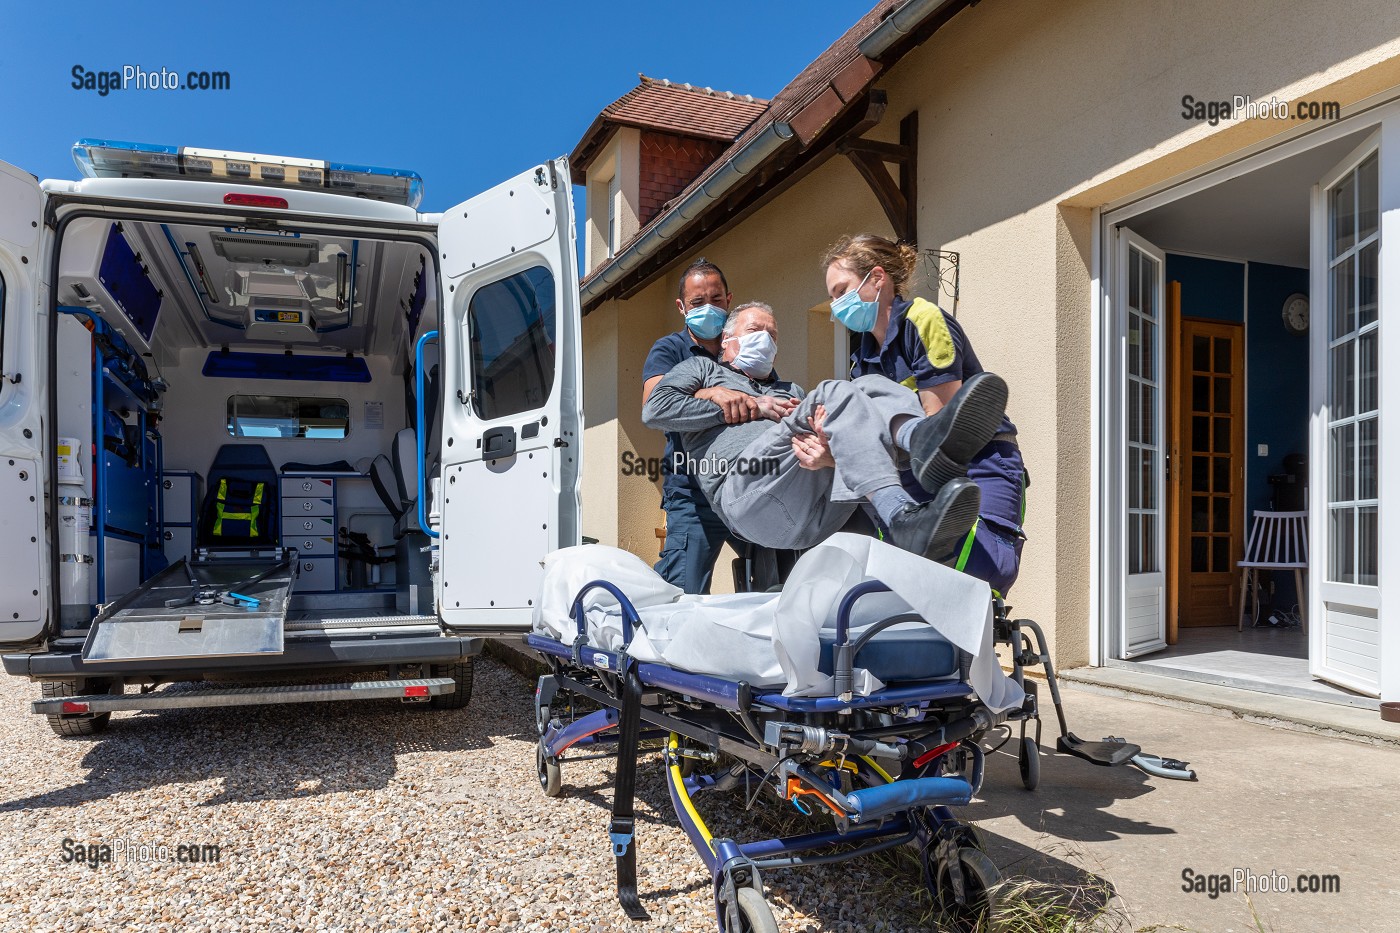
912 806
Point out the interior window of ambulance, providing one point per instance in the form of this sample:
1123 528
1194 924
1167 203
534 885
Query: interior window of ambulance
511 323
288 416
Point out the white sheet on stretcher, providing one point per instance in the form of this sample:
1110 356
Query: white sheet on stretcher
772 639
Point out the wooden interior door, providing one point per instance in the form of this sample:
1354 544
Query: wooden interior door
1210 467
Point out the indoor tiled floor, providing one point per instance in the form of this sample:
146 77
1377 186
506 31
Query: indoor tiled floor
1271 659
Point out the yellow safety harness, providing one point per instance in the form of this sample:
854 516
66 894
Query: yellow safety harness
245 496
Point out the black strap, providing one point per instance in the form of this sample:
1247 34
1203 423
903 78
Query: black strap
623 827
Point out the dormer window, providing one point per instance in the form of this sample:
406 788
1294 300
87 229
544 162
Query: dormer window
644 149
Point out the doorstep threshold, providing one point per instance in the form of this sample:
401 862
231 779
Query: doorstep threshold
1130 680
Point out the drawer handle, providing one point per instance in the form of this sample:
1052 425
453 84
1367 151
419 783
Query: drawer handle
308 566
306 545
307 525
306 486
307 506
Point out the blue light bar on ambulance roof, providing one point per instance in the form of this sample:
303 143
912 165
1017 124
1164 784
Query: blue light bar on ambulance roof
108 158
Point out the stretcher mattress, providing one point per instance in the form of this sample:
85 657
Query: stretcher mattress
783 640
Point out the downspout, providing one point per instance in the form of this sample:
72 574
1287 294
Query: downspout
900 23
731 172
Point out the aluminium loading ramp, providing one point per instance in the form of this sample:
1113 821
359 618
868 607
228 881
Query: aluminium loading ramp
209 609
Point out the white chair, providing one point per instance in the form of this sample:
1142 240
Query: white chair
1277 541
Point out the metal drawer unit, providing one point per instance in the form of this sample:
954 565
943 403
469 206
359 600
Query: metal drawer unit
308 524
182 493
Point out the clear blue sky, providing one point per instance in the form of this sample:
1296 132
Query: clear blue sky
466 94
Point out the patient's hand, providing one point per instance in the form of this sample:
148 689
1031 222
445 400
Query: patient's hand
775 409
738 406
813 451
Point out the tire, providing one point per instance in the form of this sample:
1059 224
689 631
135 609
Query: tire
755 916
980 876
69 725
549 773
1030 763
463 672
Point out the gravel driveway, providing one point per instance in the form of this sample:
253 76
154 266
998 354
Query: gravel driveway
355 816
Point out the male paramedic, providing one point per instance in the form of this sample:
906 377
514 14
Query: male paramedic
753 471
694 533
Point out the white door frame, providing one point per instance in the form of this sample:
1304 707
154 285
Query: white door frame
1106 488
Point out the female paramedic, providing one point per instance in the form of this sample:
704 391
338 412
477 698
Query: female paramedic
918 344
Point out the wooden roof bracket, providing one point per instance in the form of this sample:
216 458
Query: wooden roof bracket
871 159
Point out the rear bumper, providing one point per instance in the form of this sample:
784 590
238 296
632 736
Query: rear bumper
303 655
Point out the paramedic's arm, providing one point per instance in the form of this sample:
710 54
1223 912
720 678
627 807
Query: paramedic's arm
738 406
672 405
934 399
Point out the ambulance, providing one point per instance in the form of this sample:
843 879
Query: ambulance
270 434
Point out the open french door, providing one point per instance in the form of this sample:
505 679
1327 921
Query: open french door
25 579
508 486
1351 206
1139 303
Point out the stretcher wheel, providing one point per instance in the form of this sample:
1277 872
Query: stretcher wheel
980 876
1030 763
755 916
551 779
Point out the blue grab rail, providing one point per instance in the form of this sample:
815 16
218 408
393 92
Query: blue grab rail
420 433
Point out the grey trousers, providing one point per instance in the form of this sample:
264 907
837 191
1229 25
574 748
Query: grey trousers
769 499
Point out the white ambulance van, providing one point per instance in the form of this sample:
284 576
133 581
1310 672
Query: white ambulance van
270 435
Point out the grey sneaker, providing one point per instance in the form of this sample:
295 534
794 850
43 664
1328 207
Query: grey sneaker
935 529
942 446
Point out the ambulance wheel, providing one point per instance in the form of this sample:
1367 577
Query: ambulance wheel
463 672
980 876
547 766
755 916
77 724
1030 763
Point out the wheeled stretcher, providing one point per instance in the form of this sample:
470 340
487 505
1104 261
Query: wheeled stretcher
871 715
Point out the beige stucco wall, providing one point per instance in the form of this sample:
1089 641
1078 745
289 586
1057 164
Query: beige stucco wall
1030 115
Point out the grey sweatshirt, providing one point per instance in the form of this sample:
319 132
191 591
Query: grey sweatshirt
674 407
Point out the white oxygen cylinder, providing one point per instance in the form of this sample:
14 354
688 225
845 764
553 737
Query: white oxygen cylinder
74 540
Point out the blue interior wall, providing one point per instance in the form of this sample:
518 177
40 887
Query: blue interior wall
1276 362
1210 288
1278 376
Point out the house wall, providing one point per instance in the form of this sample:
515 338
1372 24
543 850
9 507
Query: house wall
1030 116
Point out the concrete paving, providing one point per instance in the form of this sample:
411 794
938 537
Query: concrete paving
1267 800
1285 712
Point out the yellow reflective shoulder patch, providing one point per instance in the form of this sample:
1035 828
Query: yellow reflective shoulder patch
928 319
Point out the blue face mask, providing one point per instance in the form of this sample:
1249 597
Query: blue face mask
856 314
706 321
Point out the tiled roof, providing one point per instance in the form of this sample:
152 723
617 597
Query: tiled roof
684 109
658 104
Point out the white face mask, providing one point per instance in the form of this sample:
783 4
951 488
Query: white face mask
755 354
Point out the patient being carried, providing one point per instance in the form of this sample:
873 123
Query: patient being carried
786 469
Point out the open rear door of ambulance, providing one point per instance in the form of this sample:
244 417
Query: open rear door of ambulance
512 406
25 569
